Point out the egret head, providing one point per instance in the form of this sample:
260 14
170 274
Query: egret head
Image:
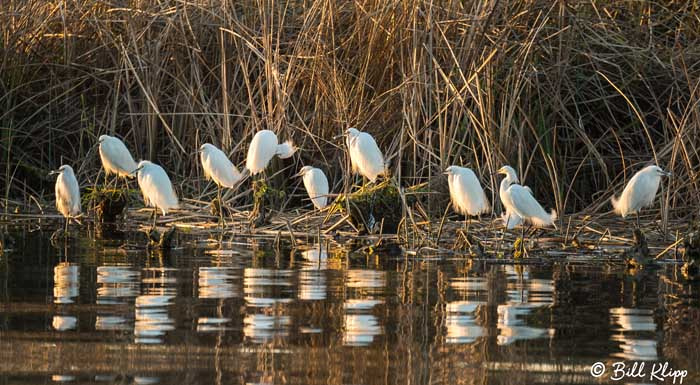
509 172
352 132
140 166
206 147
658 171
102 138
61 169
451 170
303 171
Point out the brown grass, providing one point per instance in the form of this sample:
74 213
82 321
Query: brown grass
575 95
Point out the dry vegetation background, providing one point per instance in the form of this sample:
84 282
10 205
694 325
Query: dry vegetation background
577 95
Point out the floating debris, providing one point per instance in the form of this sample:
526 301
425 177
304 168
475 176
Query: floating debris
109 204
371 205
637 256
161 241
691 254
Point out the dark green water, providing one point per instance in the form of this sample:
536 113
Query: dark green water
93 313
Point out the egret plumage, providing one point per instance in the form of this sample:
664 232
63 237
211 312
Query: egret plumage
468 197
519 200
116 158
263 148
316 185
219 168
67 193
156 188
366 158
639 192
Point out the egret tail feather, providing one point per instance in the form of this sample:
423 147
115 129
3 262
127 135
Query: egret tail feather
286 149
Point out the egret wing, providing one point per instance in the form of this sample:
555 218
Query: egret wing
218 167
316 185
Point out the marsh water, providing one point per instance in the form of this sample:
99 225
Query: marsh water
256 312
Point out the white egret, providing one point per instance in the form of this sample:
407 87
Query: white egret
219 168
263 148
467 195
519 200
316 185
366 158
67 193
116 158
156 188
639 192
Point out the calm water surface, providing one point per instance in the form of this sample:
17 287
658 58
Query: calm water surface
93 313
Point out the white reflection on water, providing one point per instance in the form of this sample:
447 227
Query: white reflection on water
312 275
62 378
152 319
115 283
66 278
111 322
267 287
633 325
360 329
524 294
260 328
217 282
212 324
461 322
62 322
365 290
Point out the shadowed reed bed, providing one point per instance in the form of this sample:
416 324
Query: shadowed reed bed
578 95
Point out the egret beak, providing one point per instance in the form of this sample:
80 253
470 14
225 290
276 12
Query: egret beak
446 173
340 136
54 172
299 174
666 173
136 170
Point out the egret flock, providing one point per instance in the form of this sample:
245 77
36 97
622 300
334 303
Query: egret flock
467 195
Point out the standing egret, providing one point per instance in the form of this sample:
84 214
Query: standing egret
67 193
316 185
519 200
639 192
219 168
263 148
116 158
366 158
466 193
156 188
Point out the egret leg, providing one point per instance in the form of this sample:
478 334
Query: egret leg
222 221
65 229
522 238
637 213
155 216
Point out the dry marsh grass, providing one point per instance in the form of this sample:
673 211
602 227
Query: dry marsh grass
575 95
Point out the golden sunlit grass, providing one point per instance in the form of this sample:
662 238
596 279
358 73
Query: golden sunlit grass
577 95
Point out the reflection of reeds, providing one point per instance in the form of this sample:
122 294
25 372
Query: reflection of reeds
571 93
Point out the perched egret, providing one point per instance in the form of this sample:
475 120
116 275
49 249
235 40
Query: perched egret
519 200
639 192
365 157
316 185
156 188
67 193
263 148
218 167
116 158
467 195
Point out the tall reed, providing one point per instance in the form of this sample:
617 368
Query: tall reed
576 95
